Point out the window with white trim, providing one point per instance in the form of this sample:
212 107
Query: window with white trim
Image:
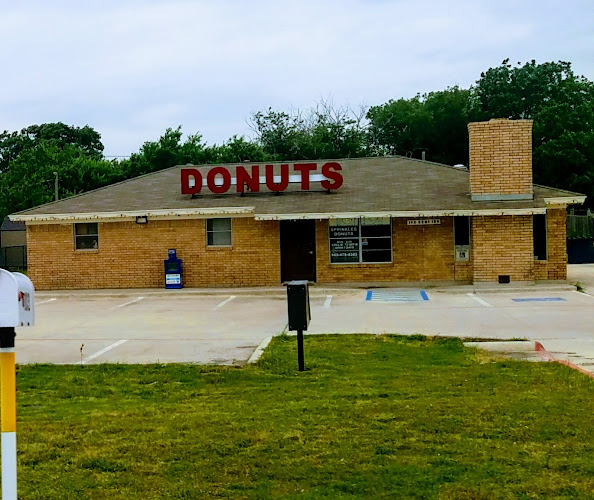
86 236
367 240
218 232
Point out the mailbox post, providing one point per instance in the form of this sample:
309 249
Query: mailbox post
17 308
299 314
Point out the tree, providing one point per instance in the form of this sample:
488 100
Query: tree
326 131
29 180
562 107
278 133
167 151
29 158
13 143
337 132
236 150
521 92
450 114
434 123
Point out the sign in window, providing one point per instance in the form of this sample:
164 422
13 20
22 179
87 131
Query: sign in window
354 241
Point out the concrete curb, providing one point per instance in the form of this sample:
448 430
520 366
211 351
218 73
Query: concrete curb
272 292
547 356
503 346
315 290
257 354
514 346
505 288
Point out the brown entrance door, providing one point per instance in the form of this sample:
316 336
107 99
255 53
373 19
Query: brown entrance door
298 250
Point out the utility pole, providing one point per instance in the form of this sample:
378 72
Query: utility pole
56 187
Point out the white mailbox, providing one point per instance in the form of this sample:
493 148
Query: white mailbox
17 300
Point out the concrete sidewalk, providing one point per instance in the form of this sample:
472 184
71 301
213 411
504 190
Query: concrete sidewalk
225 325
314 289
582 274
533 351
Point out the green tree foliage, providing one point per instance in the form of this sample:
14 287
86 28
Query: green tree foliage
434 123
157 155
562 107
13 143
521 92
324 132
171 150
560 103
29 158
29 180
236 150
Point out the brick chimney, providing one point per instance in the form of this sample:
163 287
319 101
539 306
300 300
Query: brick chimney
500 160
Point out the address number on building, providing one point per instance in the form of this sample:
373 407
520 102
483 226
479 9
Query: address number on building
423 222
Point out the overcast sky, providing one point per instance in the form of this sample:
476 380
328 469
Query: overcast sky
130 69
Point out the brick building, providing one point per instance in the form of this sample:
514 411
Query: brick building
368 220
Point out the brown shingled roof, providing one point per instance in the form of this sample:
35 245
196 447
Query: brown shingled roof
370 185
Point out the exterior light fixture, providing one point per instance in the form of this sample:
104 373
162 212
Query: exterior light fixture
141 219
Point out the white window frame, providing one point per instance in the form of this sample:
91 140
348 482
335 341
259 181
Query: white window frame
360 249
76 236
230 231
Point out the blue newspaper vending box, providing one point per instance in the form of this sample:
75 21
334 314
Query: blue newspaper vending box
173 271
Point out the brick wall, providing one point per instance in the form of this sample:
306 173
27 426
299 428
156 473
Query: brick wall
556 244
500 158
131 255
420 253
505 245
541 270
502 245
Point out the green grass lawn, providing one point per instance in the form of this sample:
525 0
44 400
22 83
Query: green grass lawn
373 417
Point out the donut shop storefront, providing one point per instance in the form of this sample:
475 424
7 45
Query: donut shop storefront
380 220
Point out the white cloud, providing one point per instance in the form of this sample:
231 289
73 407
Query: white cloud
133 68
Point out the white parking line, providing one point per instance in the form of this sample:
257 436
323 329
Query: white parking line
127 303
103 351
479 300
45 301
225 302
328 301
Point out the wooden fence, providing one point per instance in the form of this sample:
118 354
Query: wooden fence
580 225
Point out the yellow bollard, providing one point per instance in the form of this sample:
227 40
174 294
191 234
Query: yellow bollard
8 413
17 309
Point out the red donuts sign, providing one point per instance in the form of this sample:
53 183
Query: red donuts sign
220 179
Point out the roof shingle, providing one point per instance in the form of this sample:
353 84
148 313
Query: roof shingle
370 185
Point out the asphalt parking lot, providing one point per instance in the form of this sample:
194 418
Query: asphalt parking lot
226 326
